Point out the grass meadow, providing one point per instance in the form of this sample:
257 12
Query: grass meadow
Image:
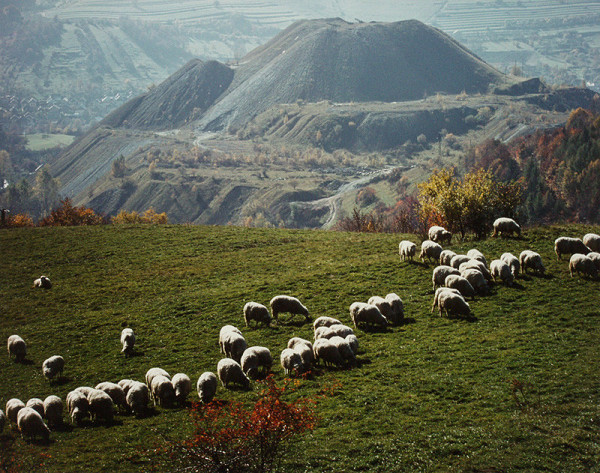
517 389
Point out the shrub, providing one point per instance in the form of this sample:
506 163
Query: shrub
20 220
148 217
68 215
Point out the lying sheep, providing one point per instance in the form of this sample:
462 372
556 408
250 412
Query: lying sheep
437 294
595 257
291 361
257 312
182 385
506 226
137 398
353 342
282 304
476 279
344 348
36 404
53 410
430 250
116 393
207 387
13 406
569 246
474 253
439 234
230 371
256 359
446 257
455 281
366 314
500 270
78 406
478 265
2 420
162 392
453 304
42 282
53 366
127 340
531 260
16 347
407 250
513 263
101 406
325 322
592 241
327 352
225 330
31 424
440 274
457 260
582 265
234 345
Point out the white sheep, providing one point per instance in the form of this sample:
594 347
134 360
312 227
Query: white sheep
582 265
162 391
53 366
85 390
500 270
16 347
344 348
384 306
324 321
254 359
440 273
474 253
453 304
504 226
78 406
127 340
36 404
513 263
137 398
42 282
225 330
569 246
101 406
2 420
353 342
13 406
257 312
234 345
153 372
407 250
321 332
430 250
230 371
116 393
291 361
182 385
531 260
366 314
457 260
397 314
328 352
438 292
455 281
446 257
478 265
338 330
439 234
282 304
476 279
126 384
53 410
595 257
592 241
207 387
304 348
31 424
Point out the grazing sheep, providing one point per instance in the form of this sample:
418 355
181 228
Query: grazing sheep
304 349
531 260
384 306
592 241
137 398
476 279
101 406
257 312
582 265
474 253
53 366
407 250
439 234
320 332
31 424
153 372
595 257
346 351
85 390
126 384
397 314
16 347
282 304
42 282
2 420
569 246
53 410
13 406
37 405
324 322
234 345
446 257
338 330
441 273
291 361
78 406
162 391
207 387
116 393
328 352
478 265
500 270
225 330
453 304
457 260
182 385
438 292
255 358
366 314
127 340
353 342
430 250
230 371
513 263
505 226
455 281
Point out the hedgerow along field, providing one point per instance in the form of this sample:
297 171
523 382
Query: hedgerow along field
515 390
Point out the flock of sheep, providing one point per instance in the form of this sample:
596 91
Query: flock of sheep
456 278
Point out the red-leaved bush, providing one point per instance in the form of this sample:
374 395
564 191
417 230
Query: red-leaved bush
68 215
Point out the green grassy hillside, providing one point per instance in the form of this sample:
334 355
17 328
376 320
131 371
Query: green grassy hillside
432 395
